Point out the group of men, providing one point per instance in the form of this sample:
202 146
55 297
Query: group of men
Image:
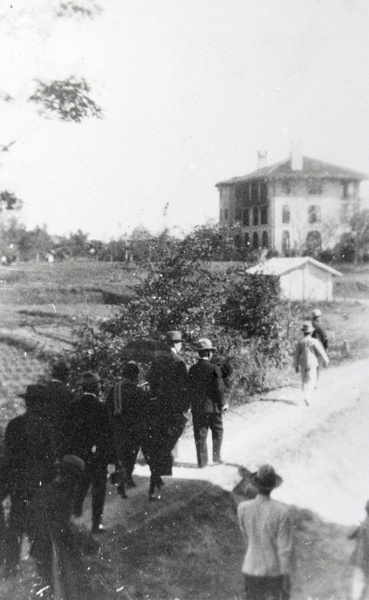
66 442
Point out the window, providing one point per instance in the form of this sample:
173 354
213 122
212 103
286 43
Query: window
286 187
255 241
313 243
221 215
255 213
286 243
263 192
238 215
254 191
314 186
247 240
286 214
226 214
246 217
314 214
264 215
237 240
264 242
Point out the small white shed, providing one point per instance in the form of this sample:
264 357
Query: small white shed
301 278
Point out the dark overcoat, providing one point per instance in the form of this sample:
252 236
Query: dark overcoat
206 388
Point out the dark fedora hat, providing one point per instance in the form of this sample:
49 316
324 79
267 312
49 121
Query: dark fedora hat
265 479
35 394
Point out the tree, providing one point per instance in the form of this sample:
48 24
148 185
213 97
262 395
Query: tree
67 99
360 234
9 201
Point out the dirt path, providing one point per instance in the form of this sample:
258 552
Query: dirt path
321 450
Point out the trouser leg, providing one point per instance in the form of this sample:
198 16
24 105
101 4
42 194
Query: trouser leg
17 526
200 430
216 426
358 586
99 475
81 491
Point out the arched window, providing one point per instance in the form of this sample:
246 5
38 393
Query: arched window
247 240
286 244
286 214
313 243
264 241
255 240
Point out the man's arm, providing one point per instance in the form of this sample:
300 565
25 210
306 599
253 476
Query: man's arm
285 545
241 524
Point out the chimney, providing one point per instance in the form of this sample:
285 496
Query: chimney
262 159
296 156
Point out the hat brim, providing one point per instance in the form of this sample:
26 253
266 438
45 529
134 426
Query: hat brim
204 349
265 488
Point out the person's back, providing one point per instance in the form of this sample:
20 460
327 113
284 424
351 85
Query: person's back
264 521
206 388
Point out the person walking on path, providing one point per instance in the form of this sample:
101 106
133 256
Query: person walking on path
90 440
307 355
60 399
319 333
126 403
360 559
206 393
168 383
28 464
57 545
267 530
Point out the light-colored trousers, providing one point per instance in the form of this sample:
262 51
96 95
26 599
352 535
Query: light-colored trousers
309 378
360 587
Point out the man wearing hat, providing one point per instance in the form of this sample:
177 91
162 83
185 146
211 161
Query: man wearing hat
308 352
60 399
28 464
206 392
90 440
319 333
267 530
168 384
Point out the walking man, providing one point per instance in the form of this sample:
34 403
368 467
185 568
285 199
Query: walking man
168 384
126 407
90 441
28 464
267 530
60 399
319 333
308 352
206 392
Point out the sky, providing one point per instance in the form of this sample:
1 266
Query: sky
191 90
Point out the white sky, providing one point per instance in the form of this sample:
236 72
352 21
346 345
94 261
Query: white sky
191 90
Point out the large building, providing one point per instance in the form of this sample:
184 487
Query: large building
295 206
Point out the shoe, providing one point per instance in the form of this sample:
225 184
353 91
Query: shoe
217 462
98 528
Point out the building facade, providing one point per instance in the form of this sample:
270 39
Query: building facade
293 206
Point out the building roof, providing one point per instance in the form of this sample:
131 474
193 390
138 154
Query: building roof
281 266
312 169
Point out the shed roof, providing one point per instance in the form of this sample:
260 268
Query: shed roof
280 266
311 169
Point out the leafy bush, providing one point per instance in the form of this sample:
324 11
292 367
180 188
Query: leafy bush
240 313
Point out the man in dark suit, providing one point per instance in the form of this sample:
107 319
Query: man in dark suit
28 464
206 391
319 332
90 440
168 382
60 399
126 404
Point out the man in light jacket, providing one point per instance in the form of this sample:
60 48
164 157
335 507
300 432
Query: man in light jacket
267 530
308 352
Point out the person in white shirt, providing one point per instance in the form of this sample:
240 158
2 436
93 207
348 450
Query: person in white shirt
267 530
308 352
